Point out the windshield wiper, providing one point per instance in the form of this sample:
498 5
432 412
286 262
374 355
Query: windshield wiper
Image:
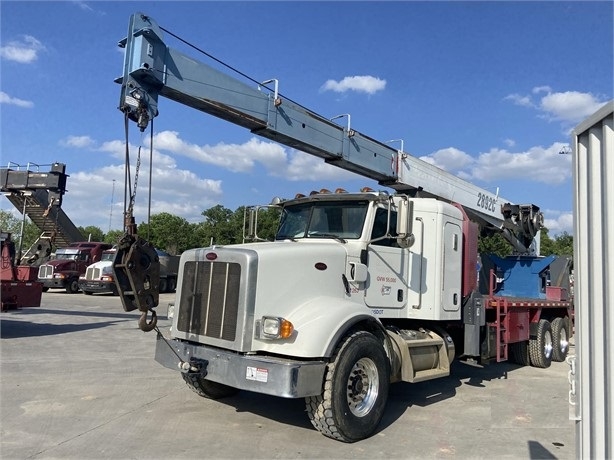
327 235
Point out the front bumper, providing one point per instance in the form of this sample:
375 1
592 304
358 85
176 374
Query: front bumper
96 286
275 376
53 282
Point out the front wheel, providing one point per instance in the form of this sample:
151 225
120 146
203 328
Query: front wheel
72 287
355 391
207 388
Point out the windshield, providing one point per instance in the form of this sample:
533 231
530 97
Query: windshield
107 256
323 219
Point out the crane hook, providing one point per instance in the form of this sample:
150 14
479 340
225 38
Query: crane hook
148 326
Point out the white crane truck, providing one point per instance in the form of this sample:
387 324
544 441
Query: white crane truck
358 290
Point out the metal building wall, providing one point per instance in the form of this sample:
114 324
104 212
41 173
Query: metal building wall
592 386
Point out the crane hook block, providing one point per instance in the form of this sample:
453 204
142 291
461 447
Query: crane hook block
136 270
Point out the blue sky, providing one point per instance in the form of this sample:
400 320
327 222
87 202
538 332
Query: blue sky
486 90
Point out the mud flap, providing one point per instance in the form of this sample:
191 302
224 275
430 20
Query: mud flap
136 270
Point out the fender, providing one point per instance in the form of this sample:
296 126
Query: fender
319 324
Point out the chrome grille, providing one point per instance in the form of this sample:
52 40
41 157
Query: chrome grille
45 271
92 273
210 299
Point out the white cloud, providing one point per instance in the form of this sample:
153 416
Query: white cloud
83 6
538 164
92 199
558 222
450 159
23 51
517 99
303 166
569 107
509 142
278 161
541 89
234 157
6 99
360 84
77 141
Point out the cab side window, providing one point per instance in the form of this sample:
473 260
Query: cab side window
379 228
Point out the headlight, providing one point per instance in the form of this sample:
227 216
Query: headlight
276 328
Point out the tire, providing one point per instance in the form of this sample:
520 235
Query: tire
540 346
355 390
519 353
560 339
87 292
207 388
172 284
72 287
163 285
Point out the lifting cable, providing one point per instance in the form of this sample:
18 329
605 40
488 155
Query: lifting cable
228 66
129 190
130 227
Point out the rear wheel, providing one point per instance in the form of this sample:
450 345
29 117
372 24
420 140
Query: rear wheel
355 391
540 346
207 388
560 339
163 285
519 353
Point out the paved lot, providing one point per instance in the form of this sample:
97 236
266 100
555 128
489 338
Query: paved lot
78 381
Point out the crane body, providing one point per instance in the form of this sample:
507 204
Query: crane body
358 290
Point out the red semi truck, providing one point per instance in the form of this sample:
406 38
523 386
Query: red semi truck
69 263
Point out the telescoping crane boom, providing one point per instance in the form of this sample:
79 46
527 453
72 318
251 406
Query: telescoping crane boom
152 69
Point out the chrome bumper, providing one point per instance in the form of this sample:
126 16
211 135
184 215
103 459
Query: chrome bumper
261 374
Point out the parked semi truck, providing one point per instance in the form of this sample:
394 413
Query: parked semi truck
98 277
69 263
358 290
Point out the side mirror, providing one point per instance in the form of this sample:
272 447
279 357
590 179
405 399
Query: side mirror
358 272
405 220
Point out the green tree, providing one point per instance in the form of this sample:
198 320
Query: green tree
546 243
494 243
113 236
268 221
221 226
12 224
563 244
92 233
168 232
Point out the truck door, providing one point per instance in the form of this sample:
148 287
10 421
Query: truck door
388 264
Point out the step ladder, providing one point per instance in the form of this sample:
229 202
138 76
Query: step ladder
502 327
